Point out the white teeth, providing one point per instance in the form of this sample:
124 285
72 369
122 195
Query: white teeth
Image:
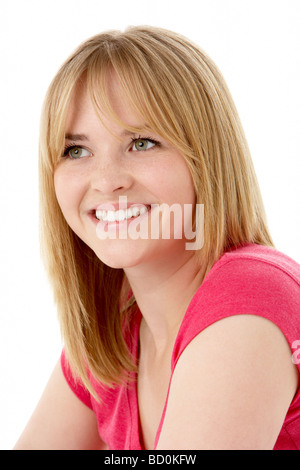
135 211
128 214
120 215
143 210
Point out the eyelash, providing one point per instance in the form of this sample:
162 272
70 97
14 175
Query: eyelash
70 147
152 141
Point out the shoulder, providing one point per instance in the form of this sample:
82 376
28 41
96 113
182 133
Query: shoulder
254 267
255 264
234 383
255 279
251 280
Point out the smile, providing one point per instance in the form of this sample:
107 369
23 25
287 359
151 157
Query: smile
120 215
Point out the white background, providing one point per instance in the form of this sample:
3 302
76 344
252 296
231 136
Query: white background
255 43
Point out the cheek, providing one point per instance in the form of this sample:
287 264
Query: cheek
60 187
185 184
67 191
174 183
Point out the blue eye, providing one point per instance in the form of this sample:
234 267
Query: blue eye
141 144
75 152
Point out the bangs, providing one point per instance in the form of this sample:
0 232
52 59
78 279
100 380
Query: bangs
156 85
144 84
161 87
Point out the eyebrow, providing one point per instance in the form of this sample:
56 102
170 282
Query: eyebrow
83 137
76 137
138 129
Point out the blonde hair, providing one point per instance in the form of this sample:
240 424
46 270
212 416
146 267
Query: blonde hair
182 96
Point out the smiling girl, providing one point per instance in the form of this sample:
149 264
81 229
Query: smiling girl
164 347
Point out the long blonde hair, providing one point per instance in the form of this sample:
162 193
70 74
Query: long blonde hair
182 96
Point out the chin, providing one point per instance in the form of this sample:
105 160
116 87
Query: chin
120 257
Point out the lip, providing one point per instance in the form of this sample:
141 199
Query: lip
115 206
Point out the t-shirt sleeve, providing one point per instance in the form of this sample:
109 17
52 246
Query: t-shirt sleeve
75 384
249 287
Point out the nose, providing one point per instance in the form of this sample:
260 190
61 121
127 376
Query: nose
110 174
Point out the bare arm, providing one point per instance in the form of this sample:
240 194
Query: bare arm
231 388
60 421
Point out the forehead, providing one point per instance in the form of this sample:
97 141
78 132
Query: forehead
110 106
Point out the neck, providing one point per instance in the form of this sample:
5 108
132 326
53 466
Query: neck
163 292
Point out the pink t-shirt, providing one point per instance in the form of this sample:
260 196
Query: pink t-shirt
252 280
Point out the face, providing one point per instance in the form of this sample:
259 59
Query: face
113 185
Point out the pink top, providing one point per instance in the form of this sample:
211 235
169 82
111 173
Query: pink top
253 280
